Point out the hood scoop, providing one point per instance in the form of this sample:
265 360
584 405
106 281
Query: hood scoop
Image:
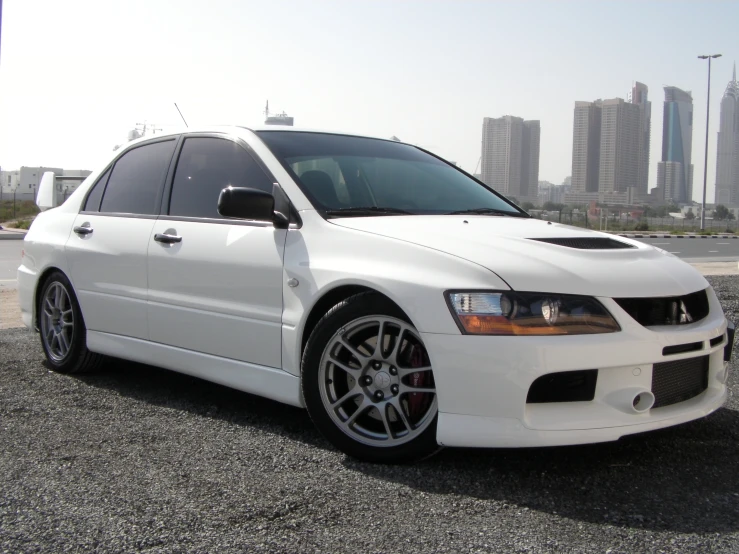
587 243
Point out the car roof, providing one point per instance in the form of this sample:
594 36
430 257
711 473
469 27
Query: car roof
241 128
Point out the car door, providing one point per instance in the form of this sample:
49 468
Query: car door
107 249
215 284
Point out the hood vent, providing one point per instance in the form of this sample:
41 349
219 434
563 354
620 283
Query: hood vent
588 243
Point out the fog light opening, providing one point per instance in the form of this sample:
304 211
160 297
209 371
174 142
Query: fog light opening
643 401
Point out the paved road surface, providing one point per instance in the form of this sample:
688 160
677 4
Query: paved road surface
699 249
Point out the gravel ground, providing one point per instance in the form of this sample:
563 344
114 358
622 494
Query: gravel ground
138 459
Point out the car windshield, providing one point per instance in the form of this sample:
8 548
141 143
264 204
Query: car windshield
347 176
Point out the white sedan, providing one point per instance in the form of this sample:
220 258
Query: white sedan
405 304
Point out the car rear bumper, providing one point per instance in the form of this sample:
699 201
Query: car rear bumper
27 280
483 383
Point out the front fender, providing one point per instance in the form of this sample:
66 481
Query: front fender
323 257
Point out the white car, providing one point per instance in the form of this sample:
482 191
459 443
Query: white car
405 304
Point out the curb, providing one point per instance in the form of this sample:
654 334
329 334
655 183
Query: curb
678 236
7 234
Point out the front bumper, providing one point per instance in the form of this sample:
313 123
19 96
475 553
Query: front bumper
482 382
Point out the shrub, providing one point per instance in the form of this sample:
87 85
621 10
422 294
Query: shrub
21 224
642 226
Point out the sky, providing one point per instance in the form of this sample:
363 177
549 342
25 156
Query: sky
76 75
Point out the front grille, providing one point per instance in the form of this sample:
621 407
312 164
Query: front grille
677 381
670 310
588 243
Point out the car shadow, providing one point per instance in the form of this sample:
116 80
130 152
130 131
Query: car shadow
161 387
682 479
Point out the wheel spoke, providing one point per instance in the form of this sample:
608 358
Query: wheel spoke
342 365
54 341
386 420
57 297
405 371
393 356
353 393
63 344
361 358
398 408
49 335
48 307
360 410
67 318
405 389
380 339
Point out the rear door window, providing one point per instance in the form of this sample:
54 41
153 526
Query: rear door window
135 182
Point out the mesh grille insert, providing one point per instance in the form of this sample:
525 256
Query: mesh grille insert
669 310
588 243
677 381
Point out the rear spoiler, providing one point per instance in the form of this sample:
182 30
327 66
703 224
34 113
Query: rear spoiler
46 197
50 192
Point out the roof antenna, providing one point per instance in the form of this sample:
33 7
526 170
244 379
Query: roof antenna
182 116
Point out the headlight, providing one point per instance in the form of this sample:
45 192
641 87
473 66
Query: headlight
529 313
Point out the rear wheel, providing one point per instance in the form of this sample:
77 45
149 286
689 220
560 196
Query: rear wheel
63 332
368 382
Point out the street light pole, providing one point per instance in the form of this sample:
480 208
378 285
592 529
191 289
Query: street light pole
708 57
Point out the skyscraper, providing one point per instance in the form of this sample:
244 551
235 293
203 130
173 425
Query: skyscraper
605 151
727 156
638 96
619 142
675 172
510 156
586 147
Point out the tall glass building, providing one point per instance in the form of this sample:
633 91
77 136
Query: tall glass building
727 155
675 171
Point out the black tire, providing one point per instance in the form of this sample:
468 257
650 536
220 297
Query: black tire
358 306
78 359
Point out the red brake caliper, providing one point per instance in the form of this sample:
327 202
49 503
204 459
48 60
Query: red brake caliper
417 401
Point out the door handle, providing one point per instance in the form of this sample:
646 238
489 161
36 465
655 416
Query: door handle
83 230
164 238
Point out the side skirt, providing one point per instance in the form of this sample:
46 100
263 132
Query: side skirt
260 380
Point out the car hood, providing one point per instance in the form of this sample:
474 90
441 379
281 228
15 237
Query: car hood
504 245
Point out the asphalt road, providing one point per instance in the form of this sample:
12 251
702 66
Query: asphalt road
699 249
10 259
138 459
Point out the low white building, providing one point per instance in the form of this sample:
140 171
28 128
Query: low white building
24 182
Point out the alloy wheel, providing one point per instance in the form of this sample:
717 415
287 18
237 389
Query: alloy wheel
57 321
376 381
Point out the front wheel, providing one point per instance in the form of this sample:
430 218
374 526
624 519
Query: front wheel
368 382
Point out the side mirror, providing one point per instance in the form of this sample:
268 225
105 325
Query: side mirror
246 203
45 197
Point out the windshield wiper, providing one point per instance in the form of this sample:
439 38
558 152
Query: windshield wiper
367 210
487 211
